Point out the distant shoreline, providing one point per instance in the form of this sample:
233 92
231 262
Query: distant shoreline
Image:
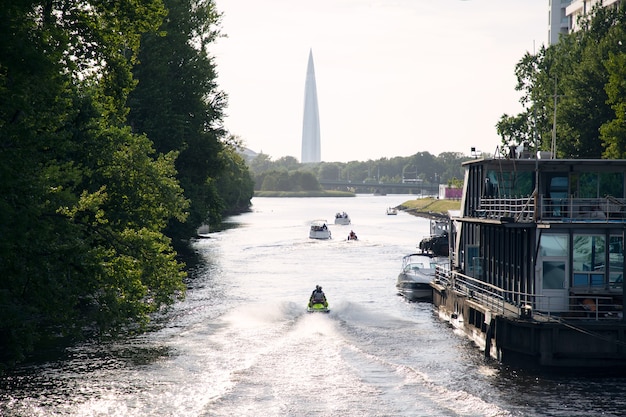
304 194
431 208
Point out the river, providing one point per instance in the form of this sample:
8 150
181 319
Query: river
241 344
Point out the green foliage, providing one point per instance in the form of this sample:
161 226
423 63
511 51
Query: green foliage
84 201
582 76
273 176
178 106
289 181
235 184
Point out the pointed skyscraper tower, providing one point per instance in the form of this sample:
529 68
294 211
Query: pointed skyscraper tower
311 121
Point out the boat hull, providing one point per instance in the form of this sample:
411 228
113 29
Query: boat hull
320 235
318 308
536 343
414 290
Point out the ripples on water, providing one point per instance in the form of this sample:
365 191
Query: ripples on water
241 343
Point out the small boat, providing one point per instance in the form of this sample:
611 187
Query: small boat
319 230
392 211
317 301
203 231
418 271
342 218
437 243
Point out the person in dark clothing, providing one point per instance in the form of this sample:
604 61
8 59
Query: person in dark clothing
318 297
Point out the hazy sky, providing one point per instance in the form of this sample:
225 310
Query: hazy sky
394 77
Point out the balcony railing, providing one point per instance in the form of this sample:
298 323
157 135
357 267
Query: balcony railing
520 304
552 209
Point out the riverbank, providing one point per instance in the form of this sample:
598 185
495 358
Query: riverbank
433 208
322 193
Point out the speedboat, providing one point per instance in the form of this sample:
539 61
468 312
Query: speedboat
418 271
342 218
392 211
319 230
318 308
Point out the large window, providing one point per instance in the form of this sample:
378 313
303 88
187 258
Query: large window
598 185
511 184
589 260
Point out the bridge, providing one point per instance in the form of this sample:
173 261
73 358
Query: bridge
397 187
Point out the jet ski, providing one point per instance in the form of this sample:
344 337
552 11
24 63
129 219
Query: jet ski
318 308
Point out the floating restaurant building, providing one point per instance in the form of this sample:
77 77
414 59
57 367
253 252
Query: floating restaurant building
537 261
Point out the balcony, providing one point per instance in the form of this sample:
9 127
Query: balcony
552 209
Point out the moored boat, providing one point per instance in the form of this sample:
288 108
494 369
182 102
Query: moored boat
437 243
535 274
415 277
392 211
319 230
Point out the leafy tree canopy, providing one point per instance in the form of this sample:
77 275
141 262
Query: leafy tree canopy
572 92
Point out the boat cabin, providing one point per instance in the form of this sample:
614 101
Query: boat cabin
546 234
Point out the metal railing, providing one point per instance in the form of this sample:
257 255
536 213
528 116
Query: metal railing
552 209
518 304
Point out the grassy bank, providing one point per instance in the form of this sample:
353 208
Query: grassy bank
429 207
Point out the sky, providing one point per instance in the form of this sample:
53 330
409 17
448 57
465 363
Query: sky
394 77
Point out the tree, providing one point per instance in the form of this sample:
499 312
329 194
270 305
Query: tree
84 201
178 105
574 75
234 183
613 132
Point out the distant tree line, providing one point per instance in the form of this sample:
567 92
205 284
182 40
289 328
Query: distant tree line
579 83
287 174
112 153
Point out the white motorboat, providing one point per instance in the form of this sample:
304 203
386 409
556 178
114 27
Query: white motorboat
342 218
418 270
392 211
319 230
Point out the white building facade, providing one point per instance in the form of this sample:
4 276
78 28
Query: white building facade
564 14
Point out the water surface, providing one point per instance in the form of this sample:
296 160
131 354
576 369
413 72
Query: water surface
241 344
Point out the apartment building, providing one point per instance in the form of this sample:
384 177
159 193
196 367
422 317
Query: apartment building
564 14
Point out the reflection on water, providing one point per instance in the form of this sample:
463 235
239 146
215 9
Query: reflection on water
241 344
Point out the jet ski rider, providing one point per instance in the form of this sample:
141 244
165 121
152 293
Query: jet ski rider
318 297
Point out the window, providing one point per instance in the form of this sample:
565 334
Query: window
589 260
616 260
553 275
553 245
516 184
599 185
612 183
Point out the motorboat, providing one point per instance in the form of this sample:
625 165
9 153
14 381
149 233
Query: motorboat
392 211
319 230
203 231
418 271
342 218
